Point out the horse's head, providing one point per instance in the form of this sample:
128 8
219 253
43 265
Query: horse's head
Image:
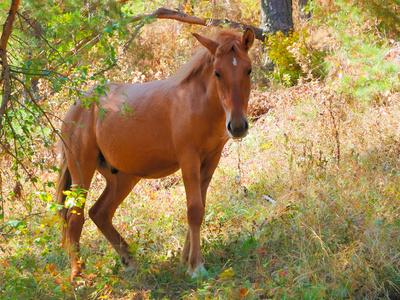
232 69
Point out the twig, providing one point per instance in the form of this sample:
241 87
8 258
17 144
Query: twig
238 177
36 104
269 199
92 42
336 127
17 159
23 219
47 118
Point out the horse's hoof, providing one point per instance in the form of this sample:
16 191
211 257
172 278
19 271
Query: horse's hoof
76 274
198 272
130 269
78 280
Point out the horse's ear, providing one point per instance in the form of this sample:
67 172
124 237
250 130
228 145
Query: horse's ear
248 38
209 44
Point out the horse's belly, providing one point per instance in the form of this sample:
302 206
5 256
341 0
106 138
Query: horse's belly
142 154
145 166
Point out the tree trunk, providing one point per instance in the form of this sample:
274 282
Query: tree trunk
276 15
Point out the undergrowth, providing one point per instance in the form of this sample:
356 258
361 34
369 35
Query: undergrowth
307 206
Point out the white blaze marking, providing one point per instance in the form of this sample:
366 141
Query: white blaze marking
234 61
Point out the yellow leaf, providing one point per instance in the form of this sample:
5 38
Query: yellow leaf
227 273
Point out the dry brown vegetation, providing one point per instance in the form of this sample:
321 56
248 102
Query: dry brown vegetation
305 207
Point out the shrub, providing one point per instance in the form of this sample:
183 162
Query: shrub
385 14
293 57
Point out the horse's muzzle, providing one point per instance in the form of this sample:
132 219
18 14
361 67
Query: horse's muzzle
237 128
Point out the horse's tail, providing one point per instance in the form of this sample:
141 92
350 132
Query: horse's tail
64 183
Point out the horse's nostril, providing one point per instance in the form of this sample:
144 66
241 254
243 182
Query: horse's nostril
230 129
238 129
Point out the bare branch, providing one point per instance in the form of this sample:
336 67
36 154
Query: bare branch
23 219
17 159
165 13
45 114
80 47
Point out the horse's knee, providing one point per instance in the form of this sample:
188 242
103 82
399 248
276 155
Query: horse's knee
95 216
195 214
100 218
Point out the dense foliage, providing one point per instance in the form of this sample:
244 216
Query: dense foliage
51 52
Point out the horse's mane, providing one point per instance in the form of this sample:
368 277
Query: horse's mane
227 39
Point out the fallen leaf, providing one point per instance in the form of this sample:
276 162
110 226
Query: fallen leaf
243 293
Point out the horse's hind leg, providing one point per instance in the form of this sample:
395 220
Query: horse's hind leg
118 187
81 168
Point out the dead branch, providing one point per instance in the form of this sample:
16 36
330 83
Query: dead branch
165 13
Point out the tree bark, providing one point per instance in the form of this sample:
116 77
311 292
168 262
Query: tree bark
276 15
5 74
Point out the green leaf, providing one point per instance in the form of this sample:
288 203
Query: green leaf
16 223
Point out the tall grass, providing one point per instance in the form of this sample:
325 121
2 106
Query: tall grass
307 206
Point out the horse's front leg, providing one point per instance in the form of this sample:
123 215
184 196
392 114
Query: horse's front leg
195 213
191 252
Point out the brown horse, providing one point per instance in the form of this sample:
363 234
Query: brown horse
182 122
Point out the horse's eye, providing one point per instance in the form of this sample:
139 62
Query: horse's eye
249 72
217 74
